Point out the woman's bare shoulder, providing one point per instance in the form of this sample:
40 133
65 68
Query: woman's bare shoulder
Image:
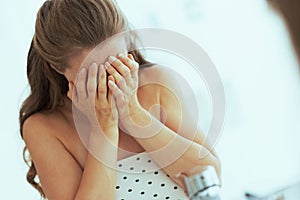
56 167
159 74
153 75
43 124
151 72
153 81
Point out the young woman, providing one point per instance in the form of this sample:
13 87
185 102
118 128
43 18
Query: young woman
66 32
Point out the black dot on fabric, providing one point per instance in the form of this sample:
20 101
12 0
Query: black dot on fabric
202 177
143 170
120 165
168 175
129 190
131 168
150 182
156 172
142 193
155 195
175 187
149 161
162 185
125 177
137 180
117 187
167 198
138 158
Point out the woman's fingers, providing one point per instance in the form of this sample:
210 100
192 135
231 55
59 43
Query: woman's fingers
131 57
122 69
119 80
109 94
86 84
118 94
92 83
91 86
131 64
112 71
102 86
81 84
112 101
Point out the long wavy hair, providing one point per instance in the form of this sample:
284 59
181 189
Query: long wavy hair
64 28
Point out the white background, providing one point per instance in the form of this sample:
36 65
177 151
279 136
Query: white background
247 41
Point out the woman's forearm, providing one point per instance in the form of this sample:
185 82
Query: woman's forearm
99 176
170 149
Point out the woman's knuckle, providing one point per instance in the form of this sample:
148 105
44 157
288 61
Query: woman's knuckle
81 98
81 78
101 91
136 65
126 71
122 81
97 104
101 95
105 110
125 101
91 90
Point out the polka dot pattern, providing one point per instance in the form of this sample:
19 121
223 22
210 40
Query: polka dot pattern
137 180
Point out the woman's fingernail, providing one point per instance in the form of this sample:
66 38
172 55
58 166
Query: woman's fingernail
94 66
121 55
111 78
111 59
82 70
107 65
101 68
110 82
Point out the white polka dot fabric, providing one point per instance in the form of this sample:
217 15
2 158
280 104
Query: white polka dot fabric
139 177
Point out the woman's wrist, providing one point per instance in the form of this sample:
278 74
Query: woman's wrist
135 118
110 133
141 124
103 145
140 116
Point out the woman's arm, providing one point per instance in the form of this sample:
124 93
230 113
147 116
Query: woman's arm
60 174
178 151
179 138
99 179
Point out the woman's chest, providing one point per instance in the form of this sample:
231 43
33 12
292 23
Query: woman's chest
128 146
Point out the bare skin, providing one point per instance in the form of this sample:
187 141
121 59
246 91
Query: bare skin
64 165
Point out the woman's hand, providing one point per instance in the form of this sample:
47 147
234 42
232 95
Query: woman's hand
91 96
124 71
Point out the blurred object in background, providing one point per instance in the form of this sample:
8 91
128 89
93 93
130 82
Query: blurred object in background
290 11
289 193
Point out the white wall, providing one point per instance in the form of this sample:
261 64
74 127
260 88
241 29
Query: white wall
16 30
247 41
